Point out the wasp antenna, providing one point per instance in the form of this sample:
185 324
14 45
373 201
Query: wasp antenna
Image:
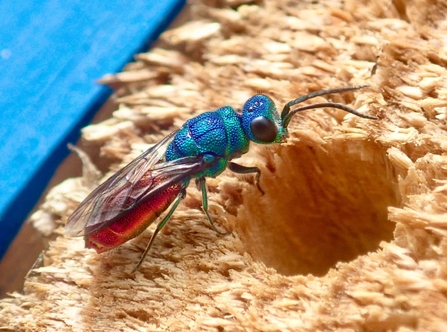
299 100
345 108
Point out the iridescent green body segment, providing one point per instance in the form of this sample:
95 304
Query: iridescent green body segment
218 133
129 201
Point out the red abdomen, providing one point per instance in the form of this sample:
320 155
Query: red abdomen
134 222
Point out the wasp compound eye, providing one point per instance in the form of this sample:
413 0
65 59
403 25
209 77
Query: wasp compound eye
263 129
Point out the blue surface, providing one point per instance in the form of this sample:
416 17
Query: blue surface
51 53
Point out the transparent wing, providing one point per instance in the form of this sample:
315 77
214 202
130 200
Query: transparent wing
144 177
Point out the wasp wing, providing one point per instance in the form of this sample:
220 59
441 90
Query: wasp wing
144 177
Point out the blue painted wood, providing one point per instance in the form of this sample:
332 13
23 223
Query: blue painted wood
51 53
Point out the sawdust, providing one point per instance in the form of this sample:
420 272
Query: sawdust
351 234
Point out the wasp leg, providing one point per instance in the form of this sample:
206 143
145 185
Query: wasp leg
201 182
161 224
236 168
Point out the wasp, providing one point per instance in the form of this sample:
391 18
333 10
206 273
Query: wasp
129 201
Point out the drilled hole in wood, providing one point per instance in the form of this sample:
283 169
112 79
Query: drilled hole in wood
323 205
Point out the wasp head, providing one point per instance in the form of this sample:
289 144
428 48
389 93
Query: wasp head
261 121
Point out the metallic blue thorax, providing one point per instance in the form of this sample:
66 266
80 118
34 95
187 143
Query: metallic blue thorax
218 133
